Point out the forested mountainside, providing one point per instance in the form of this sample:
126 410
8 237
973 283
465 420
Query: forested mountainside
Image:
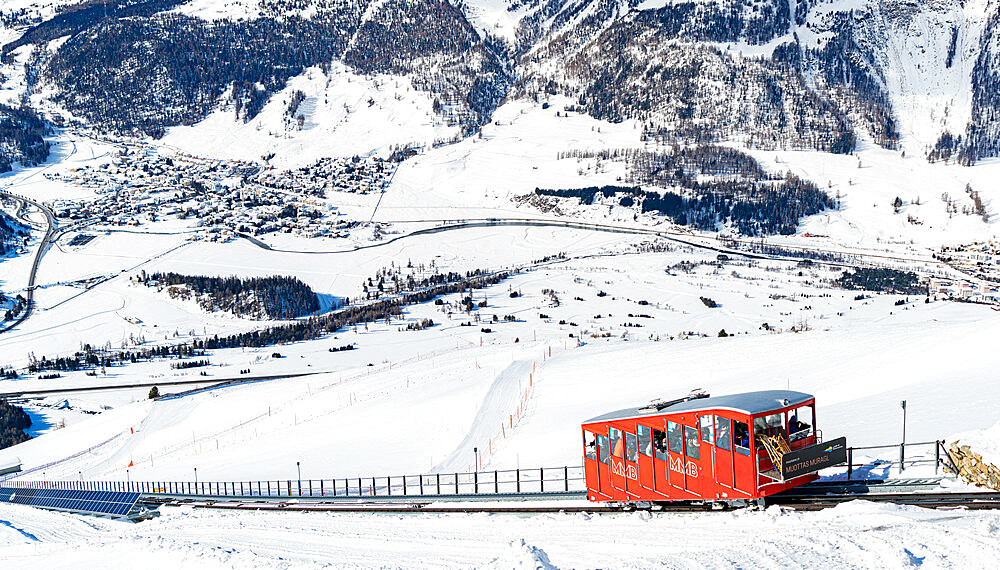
174 69
21 140
983 138
10 230
799 74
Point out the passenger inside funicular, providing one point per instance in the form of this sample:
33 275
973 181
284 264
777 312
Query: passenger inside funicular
797 429
741 435
795 426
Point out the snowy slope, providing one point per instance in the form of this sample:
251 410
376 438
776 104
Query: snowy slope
344 114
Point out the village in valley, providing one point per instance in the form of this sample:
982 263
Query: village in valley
223 198
981 262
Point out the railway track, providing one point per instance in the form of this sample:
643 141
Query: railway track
817 496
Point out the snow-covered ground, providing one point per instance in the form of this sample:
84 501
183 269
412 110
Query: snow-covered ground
855 535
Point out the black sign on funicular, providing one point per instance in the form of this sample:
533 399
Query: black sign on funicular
814 458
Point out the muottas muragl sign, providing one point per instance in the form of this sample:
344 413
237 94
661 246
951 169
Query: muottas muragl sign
814 458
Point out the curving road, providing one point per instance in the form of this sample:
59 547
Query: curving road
50 229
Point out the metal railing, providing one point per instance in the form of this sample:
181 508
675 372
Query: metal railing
941 457
515 481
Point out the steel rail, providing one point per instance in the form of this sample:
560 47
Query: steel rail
969 501
810 498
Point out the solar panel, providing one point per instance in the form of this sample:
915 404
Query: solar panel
108 503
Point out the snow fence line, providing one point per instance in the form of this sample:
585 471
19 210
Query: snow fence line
972 467
487 447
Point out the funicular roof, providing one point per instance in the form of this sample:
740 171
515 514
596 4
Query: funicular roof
751 403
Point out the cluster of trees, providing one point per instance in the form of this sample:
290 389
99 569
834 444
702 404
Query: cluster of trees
21 132
948 147
13 422
589 194
91 357
753 209
311 328
273 297
395 280
420 325
185 364
742 193
382 310
882 279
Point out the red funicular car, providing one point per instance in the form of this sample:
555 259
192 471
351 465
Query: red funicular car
726 449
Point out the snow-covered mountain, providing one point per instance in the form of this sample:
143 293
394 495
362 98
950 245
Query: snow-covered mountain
771 74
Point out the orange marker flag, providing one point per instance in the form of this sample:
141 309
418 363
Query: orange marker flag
130 464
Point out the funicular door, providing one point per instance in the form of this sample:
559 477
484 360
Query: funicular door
647 460
632 486
617 443
659 473
706 429
744 470
723 452
692 456
675 459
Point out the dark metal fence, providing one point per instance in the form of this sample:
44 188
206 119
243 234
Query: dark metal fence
523 481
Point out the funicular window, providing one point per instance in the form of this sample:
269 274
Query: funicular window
645 440
741 437
675 439
630 446
771 425
705 423
691 438
590 445
660 444
617 446
798 423
722 432
602 449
